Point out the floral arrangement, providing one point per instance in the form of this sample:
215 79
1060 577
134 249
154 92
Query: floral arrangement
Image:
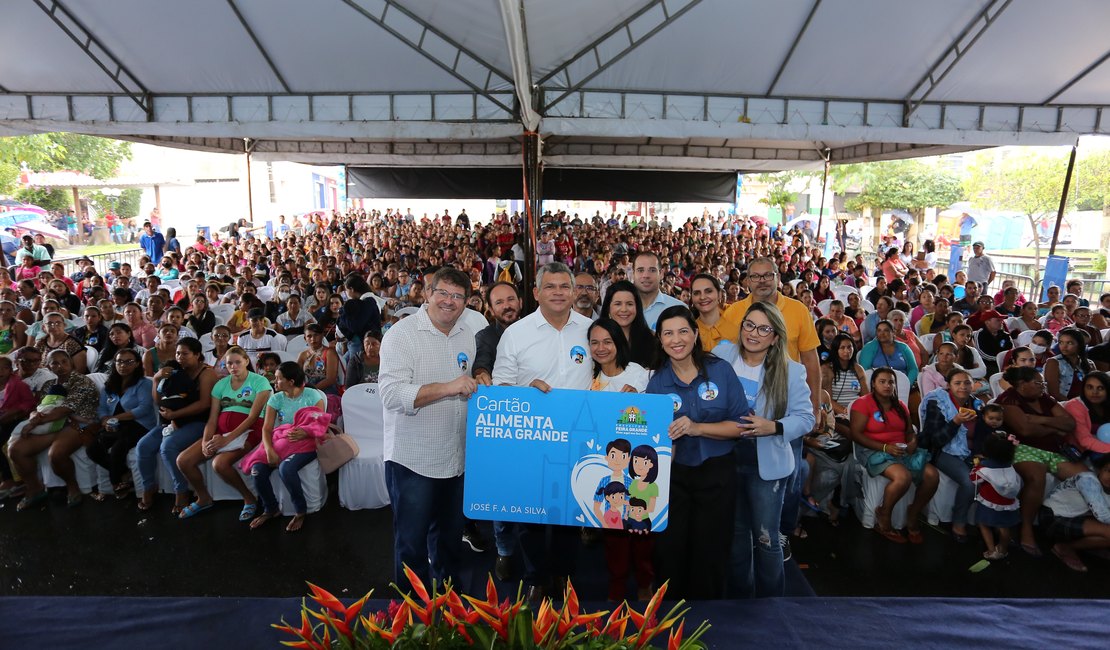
444 620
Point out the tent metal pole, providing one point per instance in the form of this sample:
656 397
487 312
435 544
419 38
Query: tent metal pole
824 184
250 193
533 200
1063 200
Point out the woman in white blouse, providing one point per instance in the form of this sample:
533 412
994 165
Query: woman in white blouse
613 371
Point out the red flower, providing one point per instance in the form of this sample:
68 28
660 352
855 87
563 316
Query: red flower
326 599
674 641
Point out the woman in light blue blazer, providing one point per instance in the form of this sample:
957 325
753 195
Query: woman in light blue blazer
765 458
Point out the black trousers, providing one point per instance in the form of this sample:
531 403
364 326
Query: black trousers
549 552
110 448
694 548
5 435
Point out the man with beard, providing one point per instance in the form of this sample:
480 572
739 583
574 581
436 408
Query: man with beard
585 295
504 305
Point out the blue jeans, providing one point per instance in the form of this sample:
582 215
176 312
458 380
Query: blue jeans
288 472
959 471
756 564
504 537
792 496
427 523
169 447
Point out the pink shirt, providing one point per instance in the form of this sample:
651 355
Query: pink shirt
16 396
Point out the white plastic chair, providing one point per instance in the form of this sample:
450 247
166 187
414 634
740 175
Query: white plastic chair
92 355
1024 338
841 292
222 312
980 369
206 342
296 344
823 306
926 341
996 387
867 306
286 355
1105 333
870 496
362 480
266 294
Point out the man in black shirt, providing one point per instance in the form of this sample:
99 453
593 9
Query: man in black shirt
504 303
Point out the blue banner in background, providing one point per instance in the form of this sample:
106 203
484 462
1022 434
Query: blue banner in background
955 262
568 457
1055 275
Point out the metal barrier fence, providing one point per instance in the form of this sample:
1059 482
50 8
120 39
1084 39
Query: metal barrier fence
1025 284
102 260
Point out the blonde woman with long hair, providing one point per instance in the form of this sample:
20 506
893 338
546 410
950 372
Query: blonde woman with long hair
768 449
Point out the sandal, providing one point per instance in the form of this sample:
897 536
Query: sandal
263 518
295 524
996 554
74 500
145 505
98 496
1032 550
1071 560
194 509
811 503
915 536
26 503
124 489
248 512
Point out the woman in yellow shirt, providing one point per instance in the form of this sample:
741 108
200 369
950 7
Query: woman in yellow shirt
706 298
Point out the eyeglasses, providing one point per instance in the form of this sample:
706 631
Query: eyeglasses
221 336
762 277
589 288
764 330
457 297
125 362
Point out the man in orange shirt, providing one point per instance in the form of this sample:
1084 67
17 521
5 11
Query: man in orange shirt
802 341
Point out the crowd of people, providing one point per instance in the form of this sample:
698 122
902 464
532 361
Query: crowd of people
788 370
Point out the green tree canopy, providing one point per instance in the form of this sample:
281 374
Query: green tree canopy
909 185
47 152
1025 182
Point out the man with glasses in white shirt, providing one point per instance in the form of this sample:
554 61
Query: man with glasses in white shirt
425 382
547 349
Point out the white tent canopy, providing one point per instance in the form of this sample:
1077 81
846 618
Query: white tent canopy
659 84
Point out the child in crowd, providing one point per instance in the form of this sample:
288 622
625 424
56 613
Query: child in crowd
997 485
989 422
55 395
268 363
1076 515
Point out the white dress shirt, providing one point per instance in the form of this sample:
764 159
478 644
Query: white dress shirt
429 440
532 349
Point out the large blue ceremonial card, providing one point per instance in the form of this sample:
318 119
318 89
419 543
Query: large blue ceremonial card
568 457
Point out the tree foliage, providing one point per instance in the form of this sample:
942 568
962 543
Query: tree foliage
126 205
901 184
778 192
55 199
1029 183
48 152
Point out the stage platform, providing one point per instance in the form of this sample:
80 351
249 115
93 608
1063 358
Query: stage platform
240 623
